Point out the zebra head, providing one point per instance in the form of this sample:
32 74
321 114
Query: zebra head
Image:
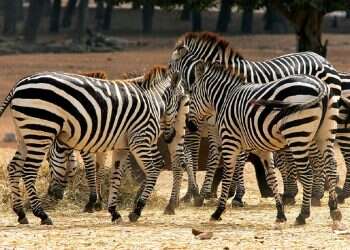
176 98
200 108
193 47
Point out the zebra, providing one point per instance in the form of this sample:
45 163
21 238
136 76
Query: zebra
61 172
89 115
265 118
342 139
206 46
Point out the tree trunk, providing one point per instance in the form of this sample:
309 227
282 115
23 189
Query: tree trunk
68 13
308 25
224 17
186 12
55 16
196 20
81 24
274 22
107 18
10 17
147 17
31 26
99 15
20 12
247 19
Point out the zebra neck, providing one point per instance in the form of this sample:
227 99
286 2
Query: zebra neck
242 67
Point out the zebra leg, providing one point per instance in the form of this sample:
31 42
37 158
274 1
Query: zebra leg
331 176
283 160
290 187
216 182
100 163
325 142
174 198
345 192
90 172
230 155
15 170
213 163
59 170
33 161
192 141
318 175
268 162
238 179
305 173
145 155
265 190
117 171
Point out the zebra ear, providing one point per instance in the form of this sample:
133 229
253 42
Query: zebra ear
199 70
178 53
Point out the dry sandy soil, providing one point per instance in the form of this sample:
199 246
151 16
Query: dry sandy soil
244 228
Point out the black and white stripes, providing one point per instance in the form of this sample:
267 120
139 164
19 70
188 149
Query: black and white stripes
89 115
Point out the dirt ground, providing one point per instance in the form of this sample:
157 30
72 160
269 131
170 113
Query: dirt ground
243 228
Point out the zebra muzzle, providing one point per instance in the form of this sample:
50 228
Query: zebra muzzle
191 126
169 135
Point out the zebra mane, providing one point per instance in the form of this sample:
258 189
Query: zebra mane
98 74
208 37
149 80
130 75
220 67
153 76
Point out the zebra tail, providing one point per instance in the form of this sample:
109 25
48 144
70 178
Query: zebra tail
294 107
6 102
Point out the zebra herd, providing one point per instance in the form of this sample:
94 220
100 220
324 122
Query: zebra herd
289 111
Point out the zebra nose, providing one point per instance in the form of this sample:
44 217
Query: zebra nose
191 125
168 137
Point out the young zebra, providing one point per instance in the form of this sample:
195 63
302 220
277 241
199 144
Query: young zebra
89 115
209 47
179 155
265 118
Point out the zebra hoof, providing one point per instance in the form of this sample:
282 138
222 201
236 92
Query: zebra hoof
187 198
133 217
237 203
98 206
336 215
300 220
281 218
198 201
214 218
169 210
115 216
23 221
315 202
46 221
